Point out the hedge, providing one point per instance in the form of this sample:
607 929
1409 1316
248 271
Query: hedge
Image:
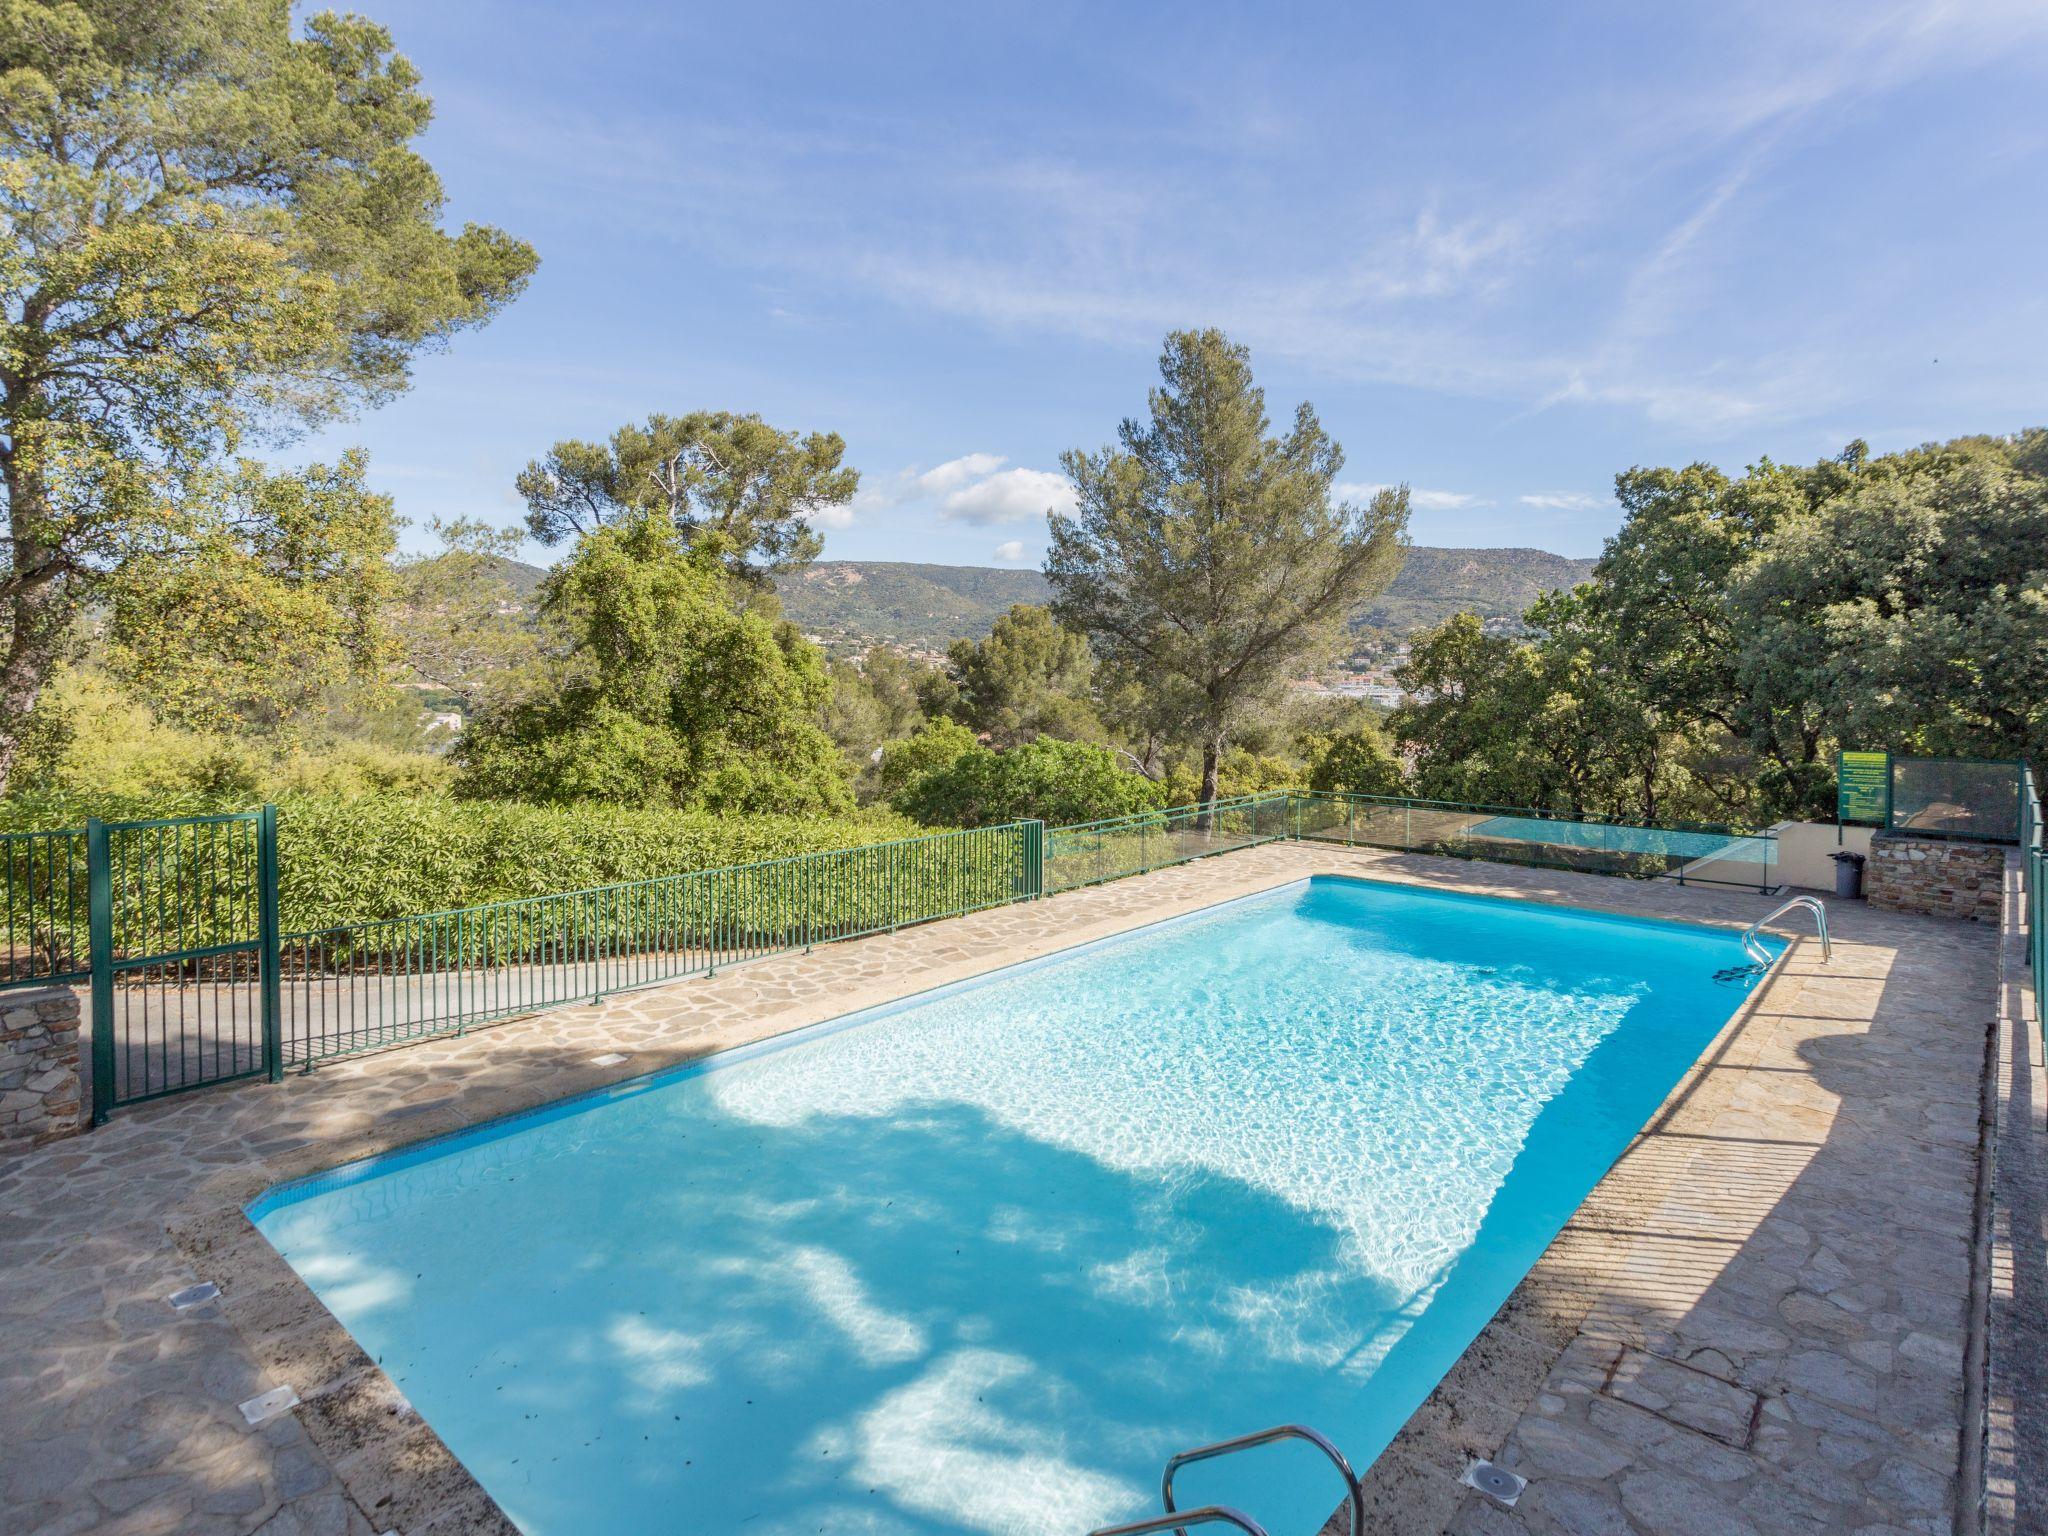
374 857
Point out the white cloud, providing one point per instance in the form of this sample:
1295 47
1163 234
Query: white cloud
839 515
1012 496
954 473
974 488
1443 501
1010 549
915 484
1564 501
1419 497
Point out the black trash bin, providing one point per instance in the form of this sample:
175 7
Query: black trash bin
1848 874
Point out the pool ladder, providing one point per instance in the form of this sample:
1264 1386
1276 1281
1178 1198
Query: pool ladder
1752 941
1222 1514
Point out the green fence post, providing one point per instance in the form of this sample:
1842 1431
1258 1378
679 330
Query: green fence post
1034 860
271 951
100 944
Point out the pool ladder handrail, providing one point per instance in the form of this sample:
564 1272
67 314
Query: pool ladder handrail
1753 945
1208 1514
1172 1520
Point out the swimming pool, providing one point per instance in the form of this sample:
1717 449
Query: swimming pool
980 1260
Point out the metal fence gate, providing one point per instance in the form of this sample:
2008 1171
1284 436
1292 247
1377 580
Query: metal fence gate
183 955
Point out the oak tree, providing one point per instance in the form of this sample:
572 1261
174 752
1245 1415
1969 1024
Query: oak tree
754 488
210 221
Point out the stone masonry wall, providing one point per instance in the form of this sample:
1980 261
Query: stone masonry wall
39 1098
1935 875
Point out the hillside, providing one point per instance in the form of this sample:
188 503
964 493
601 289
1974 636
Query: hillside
853 603
522 578
849 602
1493 583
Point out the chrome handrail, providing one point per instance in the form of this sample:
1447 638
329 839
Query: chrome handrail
1208 1514
1753 946
1354 1494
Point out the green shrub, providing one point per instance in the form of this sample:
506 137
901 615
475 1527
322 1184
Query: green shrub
1241 772
1059 782
936 744
386 856
1360 762
366 857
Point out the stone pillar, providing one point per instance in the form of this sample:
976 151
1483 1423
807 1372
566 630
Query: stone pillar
1940 876
39 1097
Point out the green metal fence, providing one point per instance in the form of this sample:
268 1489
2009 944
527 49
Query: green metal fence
175 925
2034 889
182 944
373 984
45 907
1095 851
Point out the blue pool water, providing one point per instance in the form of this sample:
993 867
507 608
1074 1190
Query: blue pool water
1664 841
979 1261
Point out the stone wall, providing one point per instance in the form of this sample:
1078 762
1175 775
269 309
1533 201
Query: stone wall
39 1099
1936 875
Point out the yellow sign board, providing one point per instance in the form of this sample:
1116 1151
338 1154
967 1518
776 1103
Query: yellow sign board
1863 787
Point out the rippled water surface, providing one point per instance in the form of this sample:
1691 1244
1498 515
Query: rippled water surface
979 1262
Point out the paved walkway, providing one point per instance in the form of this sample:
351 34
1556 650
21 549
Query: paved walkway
1756 1323
1773 1285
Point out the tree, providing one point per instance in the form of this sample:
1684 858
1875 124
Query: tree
1205 559
1028 677
1910 610
1552 723
1057 782
873 704
670 693
935 745
1357 761
210 224
1737 631
457 621
1664 582
754 487
272 600
1890 601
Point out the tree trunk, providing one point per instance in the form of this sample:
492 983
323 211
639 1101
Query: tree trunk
36 623
35 603
1212 758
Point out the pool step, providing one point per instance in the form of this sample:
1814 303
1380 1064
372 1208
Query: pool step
1223 1514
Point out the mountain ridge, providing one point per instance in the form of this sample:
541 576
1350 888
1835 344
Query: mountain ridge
923 605
907 602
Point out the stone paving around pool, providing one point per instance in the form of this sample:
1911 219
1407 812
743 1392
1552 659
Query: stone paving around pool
1757 1322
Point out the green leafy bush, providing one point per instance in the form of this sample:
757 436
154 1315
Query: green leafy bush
366 857
1360 762
1241 772
1059 782
936 744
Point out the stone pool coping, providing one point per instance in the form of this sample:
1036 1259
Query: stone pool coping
1605 1324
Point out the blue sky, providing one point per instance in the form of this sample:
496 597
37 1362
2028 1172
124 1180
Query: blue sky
1506 250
